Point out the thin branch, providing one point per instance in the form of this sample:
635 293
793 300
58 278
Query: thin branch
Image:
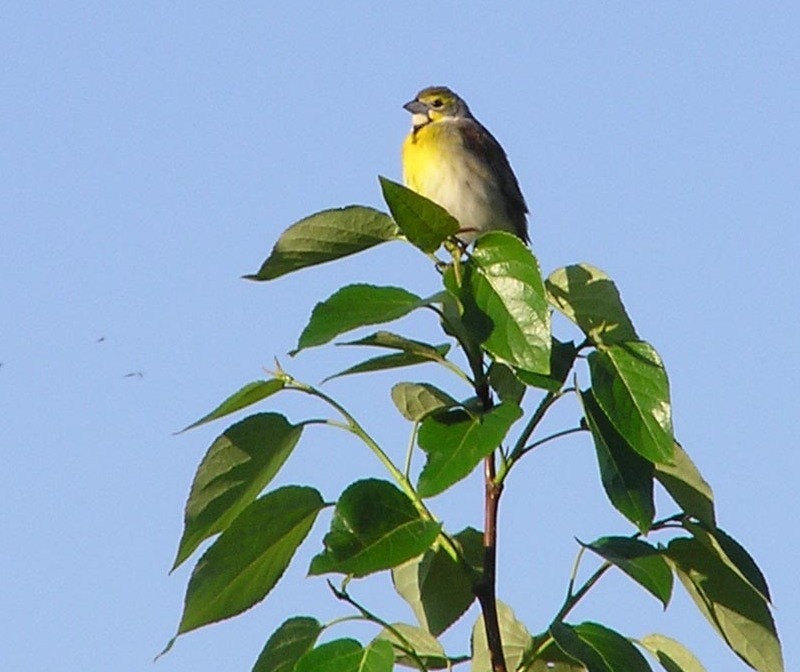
410 451
573 598
342 594
546 439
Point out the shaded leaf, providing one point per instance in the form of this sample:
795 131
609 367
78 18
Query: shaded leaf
626 476
426 224
290 642
673 656
325 236
375 526
250 394
503 381
394 361
513 633
347 655
599 648
738 613
688 488
237 467
249 558
386 339
562 357
422 642
733 554
355 306
456 441
544 656
504 302
639 560
416 400
630 384
588 297
436 586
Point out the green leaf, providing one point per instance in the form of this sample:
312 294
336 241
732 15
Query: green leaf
383 363
639 560
505 383
245 563
626 476
374 527
456 441
733 554
325 236
237 467
347 655
355 306
290 642
589 298
562 357
738 613
504 302
544 656
599 648
688 488
513 633
426 224
417 400
423 643
673 656
386 339
630 384
250 394
436 586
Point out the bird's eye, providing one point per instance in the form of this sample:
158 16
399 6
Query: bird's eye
437 103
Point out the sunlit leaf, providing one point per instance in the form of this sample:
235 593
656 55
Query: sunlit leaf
588 297
504 302
249 558
626 476
630 384
688 488
738 613
325 236
356 306
237 467
290 642
456 441
426 647
673 656
375 526
247 396
639 560
426 224
513 633
416 400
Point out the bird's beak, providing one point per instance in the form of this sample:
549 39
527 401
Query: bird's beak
416 107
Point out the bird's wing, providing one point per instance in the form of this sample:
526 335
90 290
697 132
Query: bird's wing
480 142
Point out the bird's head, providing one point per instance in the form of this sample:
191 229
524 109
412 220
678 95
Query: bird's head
435 104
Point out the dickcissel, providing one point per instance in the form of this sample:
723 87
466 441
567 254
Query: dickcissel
450 158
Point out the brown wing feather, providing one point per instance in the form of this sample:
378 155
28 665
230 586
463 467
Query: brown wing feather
480 142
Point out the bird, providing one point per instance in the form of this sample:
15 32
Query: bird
452 159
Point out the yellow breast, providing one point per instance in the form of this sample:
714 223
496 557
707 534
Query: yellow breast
437 165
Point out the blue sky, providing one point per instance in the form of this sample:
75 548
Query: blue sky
151 155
